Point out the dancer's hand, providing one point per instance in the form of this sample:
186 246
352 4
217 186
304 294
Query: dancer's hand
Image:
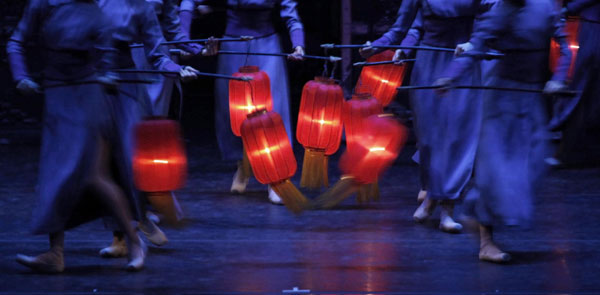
552 87
211 48
443 84
399 55
366 51
28 87
188 73
462 48
204 9
297 55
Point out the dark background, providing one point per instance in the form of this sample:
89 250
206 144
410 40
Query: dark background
322 22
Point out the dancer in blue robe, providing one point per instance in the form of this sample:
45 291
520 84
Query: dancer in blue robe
514 137
447 129
253 18
578 117
80 129
135 22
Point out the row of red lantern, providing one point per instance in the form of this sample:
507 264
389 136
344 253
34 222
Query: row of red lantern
160 162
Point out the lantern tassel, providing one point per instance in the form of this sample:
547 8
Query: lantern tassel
341 190
292 198
367 193
246 167
314 169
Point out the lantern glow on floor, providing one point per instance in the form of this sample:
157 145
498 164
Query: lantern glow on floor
246 97
319 128
381 80
378 144
159 162
572 29
271 157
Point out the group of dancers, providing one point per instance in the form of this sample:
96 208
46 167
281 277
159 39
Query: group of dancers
485 148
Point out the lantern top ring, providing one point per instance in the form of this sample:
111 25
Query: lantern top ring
325 80
362 95
257 113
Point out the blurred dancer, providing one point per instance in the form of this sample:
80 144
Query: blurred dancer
161 92
447 129
578 117
135 21
252 18
75 185
513 138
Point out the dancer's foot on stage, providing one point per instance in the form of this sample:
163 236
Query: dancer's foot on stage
153 233
488 250
421 196
137 255
273 197
240 182
425 210
117 249
47 262
448 224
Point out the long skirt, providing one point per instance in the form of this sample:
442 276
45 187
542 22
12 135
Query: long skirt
447 127
275 67
510 156
578 116
76 119
160 92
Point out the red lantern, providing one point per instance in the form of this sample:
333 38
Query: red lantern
376 148
361 106
381 80
319 128
378 144
271 157
159 160
572 29
246 97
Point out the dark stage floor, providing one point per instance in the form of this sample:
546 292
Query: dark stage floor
242 244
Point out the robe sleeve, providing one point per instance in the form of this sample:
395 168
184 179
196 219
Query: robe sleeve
172 29
406 15
564 60
488 27
26 31
576 6
290 16
414 35
152 37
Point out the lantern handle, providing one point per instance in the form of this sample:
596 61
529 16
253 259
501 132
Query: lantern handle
240 39
399 63
562 92
203 74
317 57
95 81
486 55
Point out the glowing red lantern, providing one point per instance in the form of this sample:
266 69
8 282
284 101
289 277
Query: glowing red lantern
572 29
246 97
159 160
319 128
381 80
361 106
378 144
271 157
